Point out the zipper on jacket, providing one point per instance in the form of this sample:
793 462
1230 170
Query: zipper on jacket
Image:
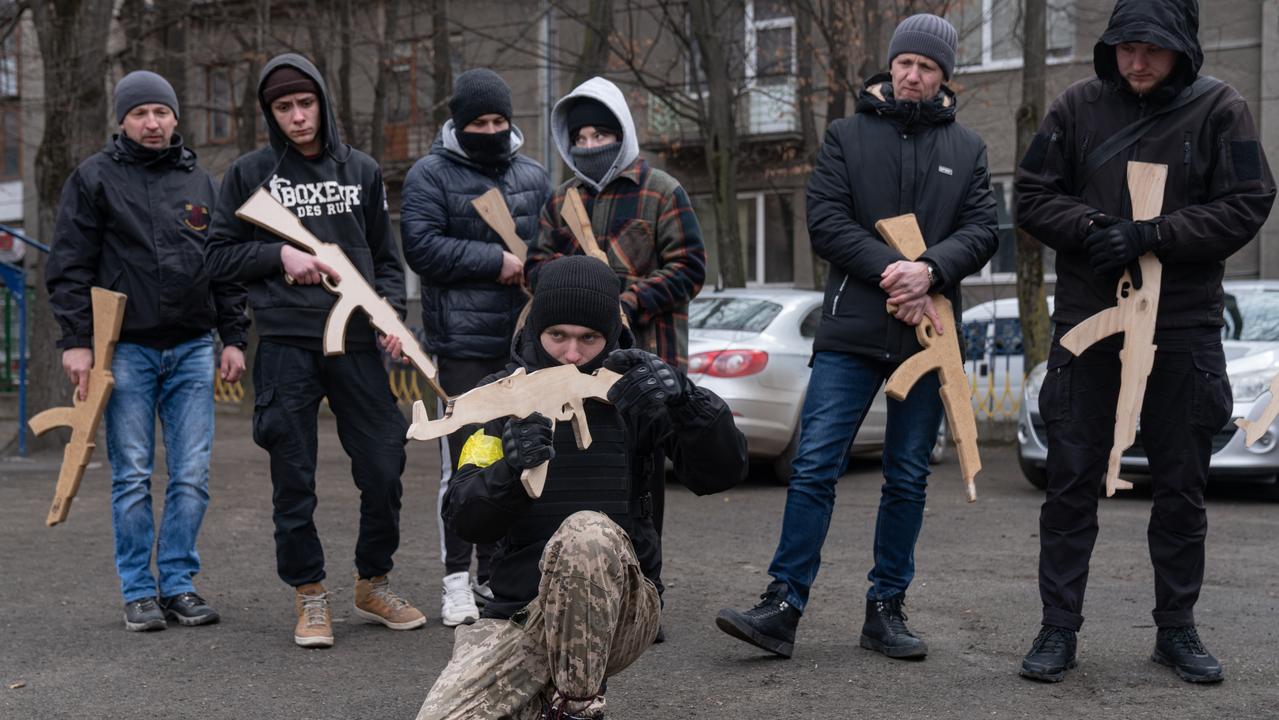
834 303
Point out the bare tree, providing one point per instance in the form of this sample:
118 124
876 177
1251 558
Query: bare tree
1032 306
593 60
441 63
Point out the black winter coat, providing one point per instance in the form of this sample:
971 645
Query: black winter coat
1219 188
136 221
466 312
889 159
487 504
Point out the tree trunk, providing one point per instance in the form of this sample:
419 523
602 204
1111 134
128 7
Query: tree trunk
441 63
73 45
346 104
385 50
1032 306
839 20
807 126
719 132
593 59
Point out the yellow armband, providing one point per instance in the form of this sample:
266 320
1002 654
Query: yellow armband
480 450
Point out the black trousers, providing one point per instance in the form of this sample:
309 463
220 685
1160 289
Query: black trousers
1187 401
290 382
456 377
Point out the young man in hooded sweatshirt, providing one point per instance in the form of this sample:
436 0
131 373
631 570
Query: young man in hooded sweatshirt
1218 193
641 216
338 194
576 573
471 283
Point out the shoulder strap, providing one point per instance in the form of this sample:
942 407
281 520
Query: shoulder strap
1123 139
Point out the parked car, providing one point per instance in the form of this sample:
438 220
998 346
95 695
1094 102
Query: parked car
1251 341
751 347
994 357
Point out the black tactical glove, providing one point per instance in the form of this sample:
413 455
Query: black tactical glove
647 384
527 442
1113 248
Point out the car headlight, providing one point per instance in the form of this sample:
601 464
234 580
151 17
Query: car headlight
1249 386
1035 381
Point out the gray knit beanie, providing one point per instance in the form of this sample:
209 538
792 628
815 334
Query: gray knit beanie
141 87
927 35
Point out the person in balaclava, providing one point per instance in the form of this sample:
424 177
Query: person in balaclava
471 283
576 572
1072 194
338 195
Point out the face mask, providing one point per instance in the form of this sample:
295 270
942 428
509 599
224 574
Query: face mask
595 162
486 148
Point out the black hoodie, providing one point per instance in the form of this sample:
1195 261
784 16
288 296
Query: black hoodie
1219 188
339 196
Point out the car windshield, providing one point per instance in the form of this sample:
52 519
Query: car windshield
732 313
1252 315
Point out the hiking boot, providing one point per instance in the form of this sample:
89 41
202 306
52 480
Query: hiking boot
457 606
885 630
483 594
143 615
315 619
188 609
1181 649
769 625
375 602
1051 655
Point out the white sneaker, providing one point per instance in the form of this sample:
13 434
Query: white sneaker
483 594
458 604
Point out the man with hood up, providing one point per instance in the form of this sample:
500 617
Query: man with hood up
471 284
337 193
134 218
1219 192
576 573
902 152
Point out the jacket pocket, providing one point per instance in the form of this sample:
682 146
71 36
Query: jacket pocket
635 246
264 420
1054 393
1213 399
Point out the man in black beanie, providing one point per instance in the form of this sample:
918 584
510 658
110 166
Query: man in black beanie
135 218
471 294
576 573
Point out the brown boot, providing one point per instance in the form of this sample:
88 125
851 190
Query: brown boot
315 619
375 602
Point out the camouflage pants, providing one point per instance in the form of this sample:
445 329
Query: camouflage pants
594 614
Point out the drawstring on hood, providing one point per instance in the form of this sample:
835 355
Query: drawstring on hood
1170 24
608 94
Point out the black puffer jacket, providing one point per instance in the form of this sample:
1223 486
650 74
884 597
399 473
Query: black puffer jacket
466 312
136 220
889 159
1219 188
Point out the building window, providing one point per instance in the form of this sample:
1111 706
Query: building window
1002 268
11 142
990 32
770 42
767 239
9 66
219 126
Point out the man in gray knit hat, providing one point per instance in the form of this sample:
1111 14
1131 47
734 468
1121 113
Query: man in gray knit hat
134 218
901 152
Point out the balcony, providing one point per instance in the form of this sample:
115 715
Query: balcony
766 111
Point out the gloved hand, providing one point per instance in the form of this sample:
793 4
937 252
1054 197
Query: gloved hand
1113 248
647 384
527 442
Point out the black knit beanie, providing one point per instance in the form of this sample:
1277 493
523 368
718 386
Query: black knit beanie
589 111
576 290
141 87
478 92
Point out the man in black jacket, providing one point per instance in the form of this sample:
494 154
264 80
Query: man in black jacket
471 294
133 218
338 194
902 152
1218 193
576 573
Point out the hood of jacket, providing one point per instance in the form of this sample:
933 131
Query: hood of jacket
1171 24
877 98
122 148
446 144
333 144
610 95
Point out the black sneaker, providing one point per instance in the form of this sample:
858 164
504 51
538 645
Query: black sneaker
188 609
885 630
143 615
1051 655
769 625
1181 649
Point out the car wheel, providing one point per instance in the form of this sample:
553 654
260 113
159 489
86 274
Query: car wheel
938 455
1034 474
782 463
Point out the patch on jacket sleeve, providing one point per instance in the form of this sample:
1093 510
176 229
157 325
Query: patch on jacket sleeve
1246 155
1035 155
480 450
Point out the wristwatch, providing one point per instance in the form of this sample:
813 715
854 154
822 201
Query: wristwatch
932 274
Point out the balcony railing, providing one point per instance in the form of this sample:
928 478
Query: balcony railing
767 108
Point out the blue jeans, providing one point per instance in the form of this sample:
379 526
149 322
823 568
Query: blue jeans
178 384
840 391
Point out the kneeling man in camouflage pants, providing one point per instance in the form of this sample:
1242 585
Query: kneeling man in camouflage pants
576 575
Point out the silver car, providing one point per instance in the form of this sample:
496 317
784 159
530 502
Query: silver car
751 347
1251 342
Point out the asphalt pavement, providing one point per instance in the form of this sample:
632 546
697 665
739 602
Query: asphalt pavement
65 654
